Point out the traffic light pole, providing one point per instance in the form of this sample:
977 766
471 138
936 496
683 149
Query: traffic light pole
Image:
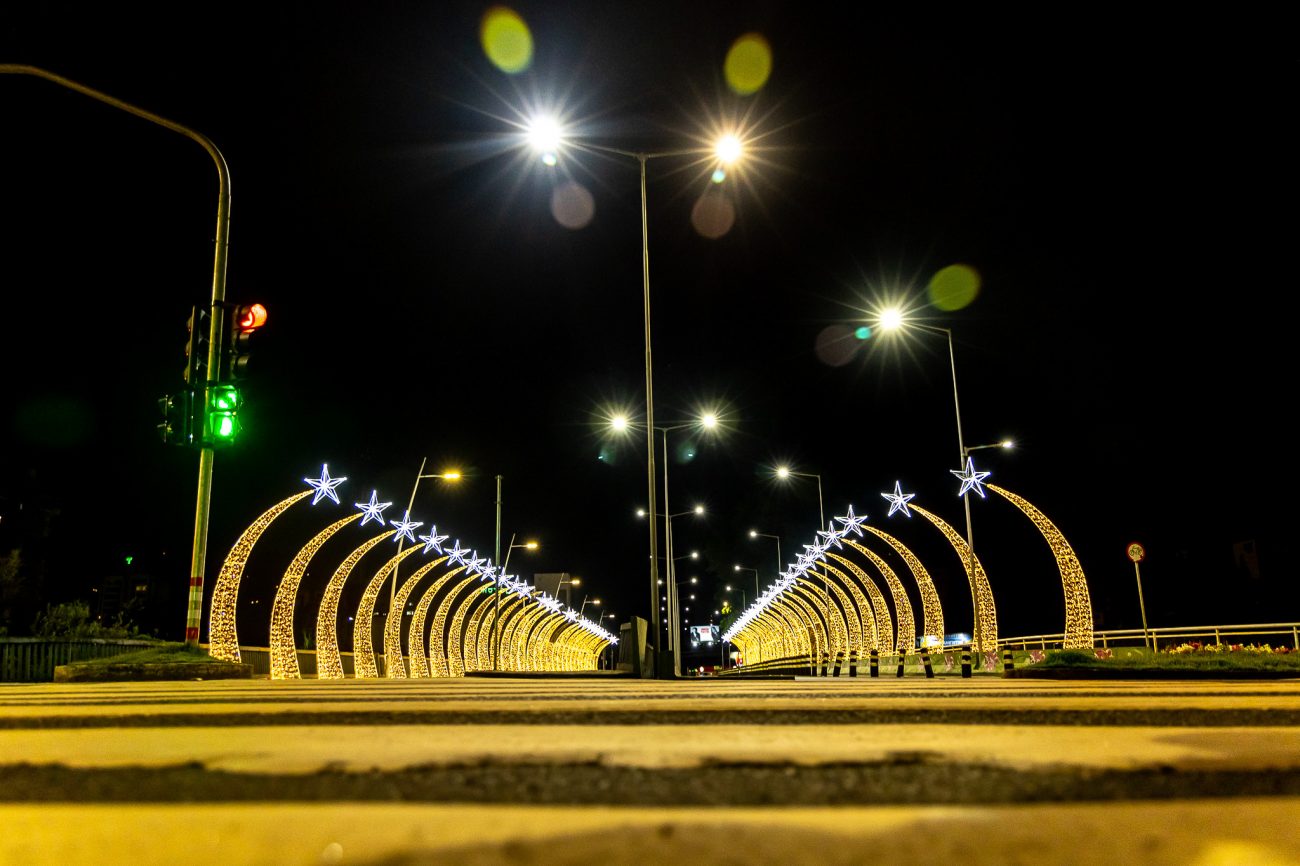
195 613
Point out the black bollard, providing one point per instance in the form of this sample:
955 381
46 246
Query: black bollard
839 662
925 661
1008 662
875 663
965 664
853 663
826 664
902 657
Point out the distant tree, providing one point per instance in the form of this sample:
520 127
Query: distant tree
11 588
72 620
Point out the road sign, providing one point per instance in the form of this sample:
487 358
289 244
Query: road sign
1136 552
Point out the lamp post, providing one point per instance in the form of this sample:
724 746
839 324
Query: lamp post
709 422
786 472
892 320
567 585
754 533
545 137
216 330
755 570
583 611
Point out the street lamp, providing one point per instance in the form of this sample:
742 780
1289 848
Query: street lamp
754 533
583 611
755 570
568 590
216 329
893 319
727 150
707 421
786 472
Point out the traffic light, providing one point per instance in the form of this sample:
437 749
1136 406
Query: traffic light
196 348
245 321
221 419
177 427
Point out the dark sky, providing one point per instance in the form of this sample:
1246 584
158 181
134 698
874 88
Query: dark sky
1122 187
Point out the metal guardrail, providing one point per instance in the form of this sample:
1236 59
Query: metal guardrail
1273 633
33 659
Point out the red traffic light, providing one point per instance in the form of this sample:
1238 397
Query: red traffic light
250 317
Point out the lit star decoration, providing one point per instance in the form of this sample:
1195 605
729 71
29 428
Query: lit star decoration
373 510
474 564
831 537
852 523
456 556
488 573
970 479
432 541
898 499
324 486
406 528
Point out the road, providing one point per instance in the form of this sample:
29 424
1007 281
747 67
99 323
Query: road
613 771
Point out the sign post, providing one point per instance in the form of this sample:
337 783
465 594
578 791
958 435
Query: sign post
1137 553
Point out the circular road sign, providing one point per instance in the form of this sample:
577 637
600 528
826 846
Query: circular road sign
1136 552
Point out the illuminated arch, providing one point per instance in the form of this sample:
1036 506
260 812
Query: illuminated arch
930 606
473 646
440 663
329 662
978 579
906 630
363 627
415 634
284 648
877 629
393 666
516 642
1078 605
853 623
487 630
456 655
223 640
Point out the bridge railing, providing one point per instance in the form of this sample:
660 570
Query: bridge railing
33 659
1273 633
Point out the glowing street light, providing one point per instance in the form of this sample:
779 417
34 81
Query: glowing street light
892 320
755 570
544 133
754 533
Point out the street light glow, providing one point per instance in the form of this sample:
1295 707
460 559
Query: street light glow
783 472
544 135
709 421
530 545
618 422
891 319
451 475
699 509
728 149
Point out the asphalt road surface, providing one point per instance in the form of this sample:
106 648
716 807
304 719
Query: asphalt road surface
624 771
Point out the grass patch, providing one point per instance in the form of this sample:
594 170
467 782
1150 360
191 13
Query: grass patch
1208 661
166 653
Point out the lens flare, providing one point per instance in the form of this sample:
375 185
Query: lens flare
748 64
863 333
719 175
954 287
713 215
835 345
572 205
506 40
728 149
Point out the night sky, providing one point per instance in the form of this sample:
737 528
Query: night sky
1121 187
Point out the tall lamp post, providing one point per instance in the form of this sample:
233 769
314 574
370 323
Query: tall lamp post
216 330
754 533
786 472
893 320
708 421
755 570
546 137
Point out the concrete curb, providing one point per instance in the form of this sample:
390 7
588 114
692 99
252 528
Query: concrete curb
89 673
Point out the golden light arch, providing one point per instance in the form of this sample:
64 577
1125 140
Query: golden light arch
975 575
284 648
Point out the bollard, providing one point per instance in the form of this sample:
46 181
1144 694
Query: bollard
965 664
853 663
826 663
875 663
902 657
925 661
839 662
1008 661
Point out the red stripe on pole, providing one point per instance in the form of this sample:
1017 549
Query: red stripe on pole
196 581
192 633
